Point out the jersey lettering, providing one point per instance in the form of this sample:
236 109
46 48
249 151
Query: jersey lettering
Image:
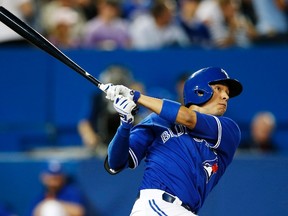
165 136
176 131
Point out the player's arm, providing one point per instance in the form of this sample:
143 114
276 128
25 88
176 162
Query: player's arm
118 149
167 109
170 110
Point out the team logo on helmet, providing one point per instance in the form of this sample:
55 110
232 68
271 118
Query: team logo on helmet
210 168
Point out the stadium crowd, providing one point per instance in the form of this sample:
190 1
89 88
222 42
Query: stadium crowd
152 24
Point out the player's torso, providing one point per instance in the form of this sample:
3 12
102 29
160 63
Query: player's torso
180 164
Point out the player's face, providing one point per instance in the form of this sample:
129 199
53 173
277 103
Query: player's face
217 105
53 182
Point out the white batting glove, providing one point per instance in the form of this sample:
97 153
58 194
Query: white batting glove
110 90
114 90
124 106
105 87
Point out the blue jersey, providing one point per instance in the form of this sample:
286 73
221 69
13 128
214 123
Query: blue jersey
186 163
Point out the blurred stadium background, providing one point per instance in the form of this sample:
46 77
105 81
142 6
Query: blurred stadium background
41 101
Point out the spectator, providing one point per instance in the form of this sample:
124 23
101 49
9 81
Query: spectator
22 9
88 7
59 196
283 6
157 30
51 9
107 30
272 25
228 27
100 120
196 30
261 137
247 9
134 8
61 33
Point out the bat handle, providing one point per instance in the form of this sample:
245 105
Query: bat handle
104 88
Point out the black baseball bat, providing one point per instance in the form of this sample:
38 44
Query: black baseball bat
40 41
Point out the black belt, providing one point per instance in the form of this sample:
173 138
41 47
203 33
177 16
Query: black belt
169 198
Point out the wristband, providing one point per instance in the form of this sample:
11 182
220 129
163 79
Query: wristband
136 95
170 110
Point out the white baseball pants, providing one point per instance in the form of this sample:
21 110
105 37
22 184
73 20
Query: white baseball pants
150 203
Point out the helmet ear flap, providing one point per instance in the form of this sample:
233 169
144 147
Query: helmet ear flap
197 89
199 92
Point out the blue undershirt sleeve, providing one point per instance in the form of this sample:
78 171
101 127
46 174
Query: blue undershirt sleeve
118 149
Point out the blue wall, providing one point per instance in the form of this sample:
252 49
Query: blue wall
42 99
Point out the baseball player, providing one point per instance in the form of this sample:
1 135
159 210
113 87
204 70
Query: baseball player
187 148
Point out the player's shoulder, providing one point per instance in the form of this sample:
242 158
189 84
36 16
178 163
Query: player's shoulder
227 119
229 122
230 128
223 122
221 119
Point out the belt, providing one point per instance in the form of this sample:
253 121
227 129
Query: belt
171 199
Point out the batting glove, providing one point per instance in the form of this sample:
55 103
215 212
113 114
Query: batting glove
114 90
124 106
105 87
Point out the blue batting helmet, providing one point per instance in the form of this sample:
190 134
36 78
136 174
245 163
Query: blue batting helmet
197 89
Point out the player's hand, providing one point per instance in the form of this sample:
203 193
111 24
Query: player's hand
114 90
124 106
110 90
105 87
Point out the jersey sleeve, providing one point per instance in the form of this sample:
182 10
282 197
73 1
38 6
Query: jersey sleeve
221 134
230 140
118 150
128 147
141 138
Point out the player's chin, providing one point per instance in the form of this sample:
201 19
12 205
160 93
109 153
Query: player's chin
221 111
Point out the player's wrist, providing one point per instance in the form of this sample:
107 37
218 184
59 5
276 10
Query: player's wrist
135 95
126 125
170 110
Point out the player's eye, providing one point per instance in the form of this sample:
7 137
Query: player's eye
220 89
227 92
217 88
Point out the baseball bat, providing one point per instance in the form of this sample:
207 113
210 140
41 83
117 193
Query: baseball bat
40 41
